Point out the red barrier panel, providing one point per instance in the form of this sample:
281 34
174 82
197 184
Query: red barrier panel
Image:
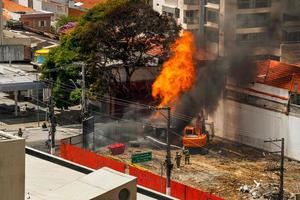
88 158
148 179
192 193
144 178
178 190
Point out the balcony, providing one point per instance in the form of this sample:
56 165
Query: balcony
189 20
191 2
214 1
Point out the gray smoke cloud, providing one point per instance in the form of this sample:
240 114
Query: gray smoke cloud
211 81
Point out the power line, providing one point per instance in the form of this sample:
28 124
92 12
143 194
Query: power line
122 102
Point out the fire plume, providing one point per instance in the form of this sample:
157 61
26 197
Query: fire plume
178 73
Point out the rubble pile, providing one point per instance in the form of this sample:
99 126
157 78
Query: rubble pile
261 191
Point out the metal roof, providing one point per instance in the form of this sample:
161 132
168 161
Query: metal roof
12 79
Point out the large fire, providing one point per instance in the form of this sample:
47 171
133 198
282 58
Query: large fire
178 73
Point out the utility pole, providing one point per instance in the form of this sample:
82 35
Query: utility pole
52 120
280 169
169 165
84 114
37 100
1 22
83 93
84 109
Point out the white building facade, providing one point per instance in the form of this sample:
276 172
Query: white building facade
186 12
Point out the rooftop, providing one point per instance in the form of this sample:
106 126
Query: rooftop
277 74
66 180
12 79
39 184
14 7
5 137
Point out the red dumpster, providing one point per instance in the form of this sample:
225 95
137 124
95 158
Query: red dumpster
117 148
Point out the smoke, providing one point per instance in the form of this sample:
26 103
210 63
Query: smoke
238 64
211 81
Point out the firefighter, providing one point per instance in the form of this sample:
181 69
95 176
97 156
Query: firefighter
186 157
20 133
44 126
178 159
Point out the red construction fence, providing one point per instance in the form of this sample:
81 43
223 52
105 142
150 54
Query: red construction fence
88 158
144 177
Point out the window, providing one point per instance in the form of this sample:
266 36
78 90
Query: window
245 4
213 16
292 36
253 20
262 3
251 38
212 35
191 16
287 17
42 23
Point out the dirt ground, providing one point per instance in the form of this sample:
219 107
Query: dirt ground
222 171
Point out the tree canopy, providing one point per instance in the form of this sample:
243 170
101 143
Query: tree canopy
112 38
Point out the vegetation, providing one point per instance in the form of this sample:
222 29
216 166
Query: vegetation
112 39
63 20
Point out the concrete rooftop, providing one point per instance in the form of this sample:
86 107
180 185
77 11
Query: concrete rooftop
47 180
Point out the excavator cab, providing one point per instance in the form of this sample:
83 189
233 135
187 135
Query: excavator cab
195 137
191 139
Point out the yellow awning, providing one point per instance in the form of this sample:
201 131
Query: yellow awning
42 51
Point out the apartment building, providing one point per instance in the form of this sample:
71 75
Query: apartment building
267 28
186 12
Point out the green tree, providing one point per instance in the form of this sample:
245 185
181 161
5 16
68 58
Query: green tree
63 20
112 39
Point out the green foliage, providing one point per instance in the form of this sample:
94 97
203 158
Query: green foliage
63 20
118 31
75 96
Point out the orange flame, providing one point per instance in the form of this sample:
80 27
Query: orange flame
178 73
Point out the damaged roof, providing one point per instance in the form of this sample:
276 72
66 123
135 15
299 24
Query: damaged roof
277 74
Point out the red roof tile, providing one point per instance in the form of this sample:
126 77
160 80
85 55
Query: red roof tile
278 74
14 7
6 15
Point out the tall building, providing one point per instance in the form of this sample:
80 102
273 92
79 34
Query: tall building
267 28
264 27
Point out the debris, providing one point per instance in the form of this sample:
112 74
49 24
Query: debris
264 192
134 144
244 189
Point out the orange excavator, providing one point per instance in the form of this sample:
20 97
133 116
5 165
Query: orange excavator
195 137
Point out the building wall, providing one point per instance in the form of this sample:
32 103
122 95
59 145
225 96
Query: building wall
37 5
252 125
186 12
14 53
228 31
114 194
57 8
42 23
75 12
12 169
157 5
22 2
